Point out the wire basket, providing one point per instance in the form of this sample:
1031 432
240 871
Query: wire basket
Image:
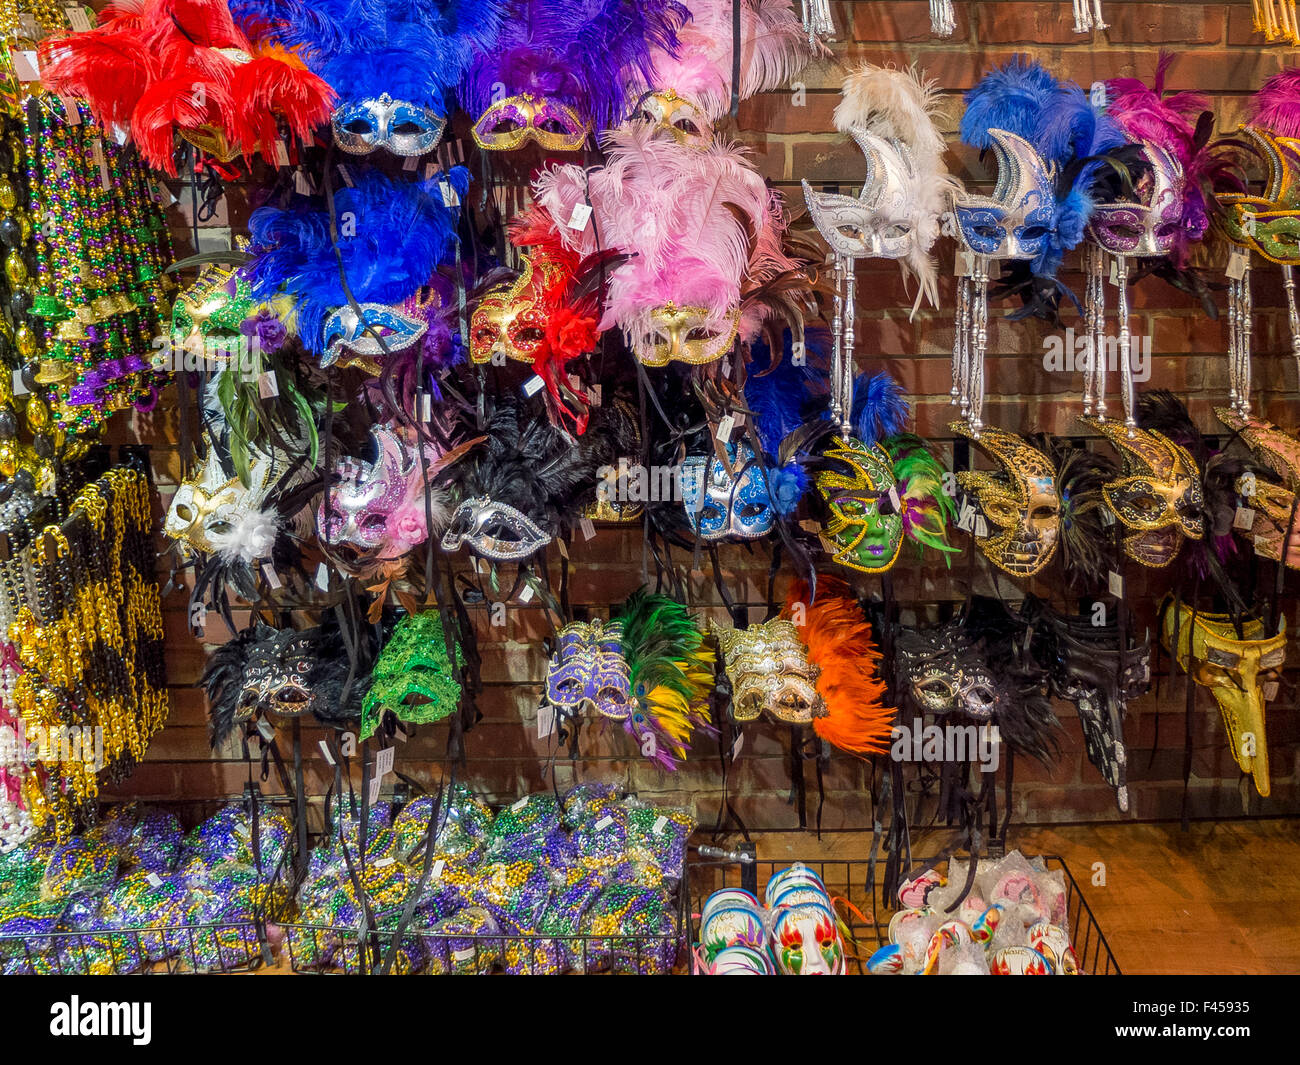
852 879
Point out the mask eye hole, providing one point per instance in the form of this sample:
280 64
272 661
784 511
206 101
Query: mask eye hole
687 126
499 530
219 527
935 688
506 125
751 510
1033 233
373 523
699 333
987 232
1043 513
1126 231
408 128
529 335
359 125
184 513
896 232
982 697
851 231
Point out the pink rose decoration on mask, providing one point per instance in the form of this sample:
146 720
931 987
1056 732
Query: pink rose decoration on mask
407 527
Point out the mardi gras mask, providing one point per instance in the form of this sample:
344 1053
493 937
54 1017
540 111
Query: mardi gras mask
1016 222
512 319
588 670
673 116
729 502
1268 224
1149 227
880 222
380 329
376 511
807 941
865 528
212 513
682 334
1276 520
946 673
1241 673
413 678
276 672
403 128
1021 502
494 530
769 671
1159 496
513 122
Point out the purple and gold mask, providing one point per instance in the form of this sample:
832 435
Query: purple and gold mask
1268 224
1149 227
588 670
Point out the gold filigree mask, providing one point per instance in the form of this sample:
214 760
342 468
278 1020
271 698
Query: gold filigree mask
676 117
770 673
685 334
512 318
513 122
209 508
1274 504
1242 675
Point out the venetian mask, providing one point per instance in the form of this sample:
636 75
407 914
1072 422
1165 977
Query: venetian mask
376 511
381 329
865 527
1241 673
676 117
1274 504
588 671
212 513
883 220
682 334
403 128
511 319
770 673
943 672
1021 502
1269 224
514 121
413 677
494 530
728 502
277 666
1017 221
1149 227
1159 497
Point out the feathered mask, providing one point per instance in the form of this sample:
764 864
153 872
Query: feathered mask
1081 479
162 67
688 92
392 63
1275 531
890 116
558 69
703 236
391 237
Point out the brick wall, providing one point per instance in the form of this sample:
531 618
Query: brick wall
1218 55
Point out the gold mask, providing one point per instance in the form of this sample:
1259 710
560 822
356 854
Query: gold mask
676 117
685 334
208 508
1242 675
1273 504
511 123
1021 501
512 318
1159 496
769 671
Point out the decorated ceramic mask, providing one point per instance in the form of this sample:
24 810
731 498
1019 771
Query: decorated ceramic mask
735 502
588 671
770 673
212 513
1268 224
806 941
1241 673
1021 502
1274 504
1150 226
376 511
1158 498
1016 222
494 530
865 528
947 674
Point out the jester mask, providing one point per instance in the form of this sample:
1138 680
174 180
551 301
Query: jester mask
1158 498
1242 673
1020 501
865 527
1268 224
413 678
588 671
770 673
727 500
1276 521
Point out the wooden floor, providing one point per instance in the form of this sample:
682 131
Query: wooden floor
1219 898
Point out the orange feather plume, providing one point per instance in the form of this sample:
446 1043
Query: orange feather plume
838 638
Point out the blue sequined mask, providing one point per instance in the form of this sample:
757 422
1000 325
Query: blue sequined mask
1017 221
730 504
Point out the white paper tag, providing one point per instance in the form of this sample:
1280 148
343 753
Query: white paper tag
27 66
526 593
981 527
384 863
464 955
1115 584
1097 96
964 264
1238 261
302 183
661 822
281 153
894 501
588 528
519 805
384 761
97 154
267 385
272 578
595 395
533 385
412 164
1269 691
563 547
346 175
77 18
70 110
449 197
426 407
603 823
1114 273
400 734
375 783
120 135
580 217
325 750
19 387
153 879
1243 519
265 730
725 425
323 577
545 720
736 747
438 866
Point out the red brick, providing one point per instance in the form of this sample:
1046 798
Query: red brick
1135 24
1038 24
904 20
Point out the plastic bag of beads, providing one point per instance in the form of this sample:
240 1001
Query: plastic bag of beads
143 903
656 842
85 864
527 827
227 836
155 843
218 932
345 816
564 915
81 913
99 954
116 824
582 795
465 944
21 869
602 832
642 925
515 892
27 923
463 825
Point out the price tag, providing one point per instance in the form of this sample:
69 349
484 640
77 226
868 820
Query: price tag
564 548
725 427
1243 519
302 183
1114 273
1115 584
375 782
981 527
468 954
384 761
438 866
400 734
426 407
580 217
153 879
1269 691
519 805
526 593
19 386
1107 516
70 110
281 153
78 19
412 164
449 197
588 528
894 500
267 386
595 395
346 175
384 863
323 577
964 265
325 750
272 578
120 135
1238 263
533 385
27 66
661 822
737 746
265 729
545 720
603 823
97 154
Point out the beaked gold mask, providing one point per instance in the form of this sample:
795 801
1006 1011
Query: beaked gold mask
1242 675
1159 496
770 673
1021 501
1274 504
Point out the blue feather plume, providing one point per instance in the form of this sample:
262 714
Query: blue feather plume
780 398
1013 98
879 409
392 236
